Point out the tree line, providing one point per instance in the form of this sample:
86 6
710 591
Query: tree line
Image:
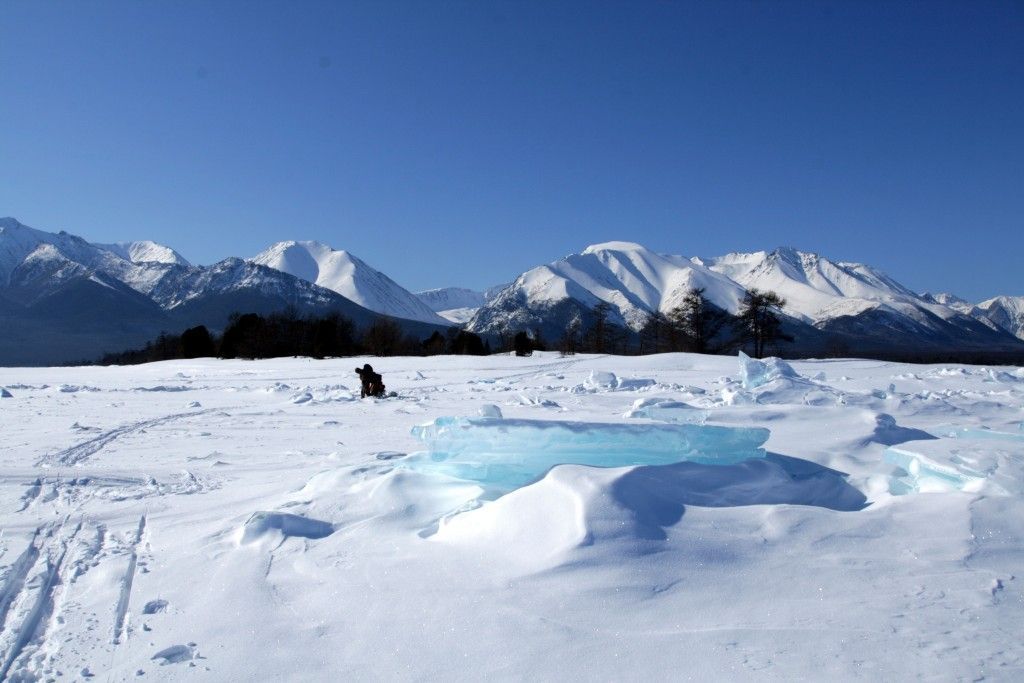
696 325
283 334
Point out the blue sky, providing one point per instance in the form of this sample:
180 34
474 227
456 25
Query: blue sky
460 143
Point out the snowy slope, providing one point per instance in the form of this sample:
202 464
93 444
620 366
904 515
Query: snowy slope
1006 312
949 300
256 520
64 299
145 251
824 299
137 264
18 242
448 298
347 275
633 279
458 304
817 289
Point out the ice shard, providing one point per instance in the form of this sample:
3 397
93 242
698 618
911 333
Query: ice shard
502 455
928 473
756 373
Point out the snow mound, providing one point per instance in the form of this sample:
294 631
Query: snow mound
502 455
601 380
888 433
262 523
667 410
576 510
489 410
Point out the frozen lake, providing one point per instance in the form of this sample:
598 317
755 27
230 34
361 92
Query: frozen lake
238 520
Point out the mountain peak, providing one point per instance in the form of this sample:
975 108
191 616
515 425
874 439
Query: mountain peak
145 251
614 246
344 273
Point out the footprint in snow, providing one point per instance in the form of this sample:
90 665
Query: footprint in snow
155 607
176 654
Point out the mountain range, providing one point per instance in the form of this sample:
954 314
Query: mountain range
829 305
63 298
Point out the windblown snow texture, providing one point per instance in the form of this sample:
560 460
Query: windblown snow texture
226 518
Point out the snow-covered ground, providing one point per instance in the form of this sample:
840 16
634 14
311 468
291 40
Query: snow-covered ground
234 520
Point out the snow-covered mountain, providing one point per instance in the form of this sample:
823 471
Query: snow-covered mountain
145 251
849 300
65 299
19 242
344 273
457 304
633 279
86 298
950 300
1005 312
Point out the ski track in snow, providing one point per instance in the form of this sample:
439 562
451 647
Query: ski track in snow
126 585
14 581
81 452
31 633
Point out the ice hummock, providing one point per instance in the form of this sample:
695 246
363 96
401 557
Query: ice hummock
926 474
756 373
956 464
502 455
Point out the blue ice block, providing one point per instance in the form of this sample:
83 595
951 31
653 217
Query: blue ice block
505 454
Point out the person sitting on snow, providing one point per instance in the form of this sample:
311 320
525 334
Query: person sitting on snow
373 383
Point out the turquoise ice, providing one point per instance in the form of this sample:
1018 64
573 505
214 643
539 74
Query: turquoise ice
502 455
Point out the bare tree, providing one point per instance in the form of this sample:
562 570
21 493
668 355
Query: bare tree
383 337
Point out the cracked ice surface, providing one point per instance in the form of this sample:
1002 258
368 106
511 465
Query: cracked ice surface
981 433
503 455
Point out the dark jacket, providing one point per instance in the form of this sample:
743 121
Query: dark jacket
373 383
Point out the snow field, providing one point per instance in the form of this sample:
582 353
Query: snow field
232 520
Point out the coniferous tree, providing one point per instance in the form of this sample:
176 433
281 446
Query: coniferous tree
435 344
383 337
698 320
522 344
467 344
598 335
570 340
758 322
196 342
538 341
243 337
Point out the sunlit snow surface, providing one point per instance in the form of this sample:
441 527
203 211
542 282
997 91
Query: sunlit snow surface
236 520
502 455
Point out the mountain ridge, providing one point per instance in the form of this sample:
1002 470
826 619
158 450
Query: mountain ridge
45 275
344 273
